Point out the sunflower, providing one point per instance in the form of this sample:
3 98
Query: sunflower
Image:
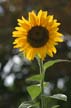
38 35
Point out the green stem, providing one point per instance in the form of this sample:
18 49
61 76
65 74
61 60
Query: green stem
41 82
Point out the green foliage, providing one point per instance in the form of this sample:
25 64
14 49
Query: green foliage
59 97
50 103
55 106
62 97
25 105
35 78
29 105
52 62
34 91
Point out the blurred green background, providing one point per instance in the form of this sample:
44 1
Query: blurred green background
14 69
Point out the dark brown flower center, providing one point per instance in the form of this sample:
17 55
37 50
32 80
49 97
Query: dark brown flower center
38 36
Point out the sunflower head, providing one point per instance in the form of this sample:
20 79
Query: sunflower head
37 35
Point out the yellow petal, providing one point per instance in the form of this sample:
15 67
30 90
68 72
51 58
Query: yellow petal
50 18
32 18
42 14
42 17
49 52
59 40
50 49
20 29
49 21
42 52
24 23
20 41
30 54
23 20
19 34
53 49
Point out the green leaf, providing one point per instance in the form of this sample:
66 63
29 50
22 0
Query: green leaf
25 105
34 91
59 97
52 62
35 78
29 104
48 102
55 106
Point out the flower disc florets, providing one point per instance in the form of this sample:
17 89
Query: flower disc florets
38 36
